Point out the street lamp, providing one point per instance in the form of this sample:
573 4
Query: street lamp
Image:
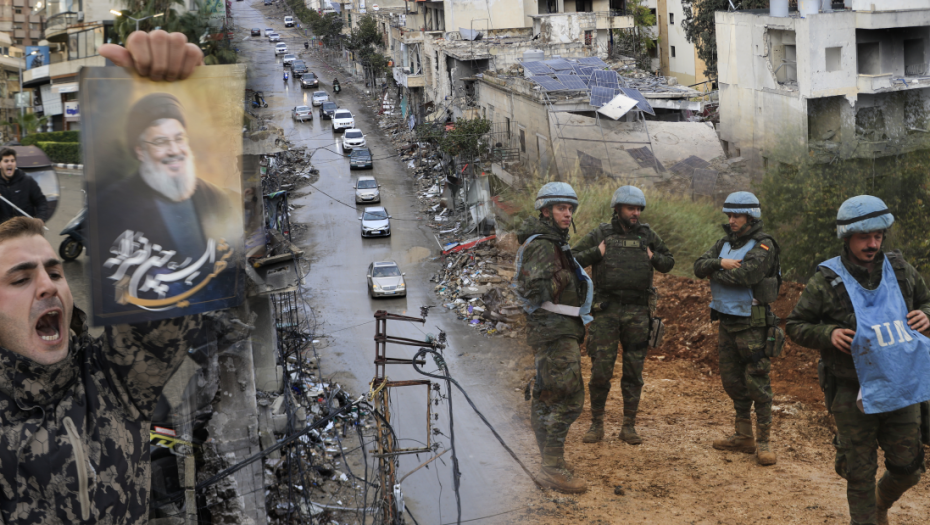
137 20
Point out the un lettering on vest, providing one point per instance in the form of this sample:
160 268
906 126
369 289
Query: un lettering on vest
900 328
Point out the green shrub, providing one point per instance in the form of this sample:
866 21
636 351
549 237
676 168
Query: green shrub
52 136
62 152
688 228
800 205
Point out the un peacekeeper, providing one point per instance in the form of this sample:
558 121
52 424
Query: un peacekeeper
557 296
743 269
826 319
623 254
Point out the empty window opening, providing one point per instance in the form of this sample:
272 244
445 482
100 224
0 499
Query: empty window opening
824 119
870 59
870 124
915 63
671 19
783 55
834 56
673 51
522 140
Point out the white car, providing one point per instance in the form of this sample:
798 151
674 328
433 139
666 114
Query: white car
268 31
343 119
274 37
288 58
353 138
288 21
319 97
302 113
280 49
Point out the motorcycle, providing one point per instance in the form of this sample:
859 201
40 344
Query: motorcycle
336 87
285 77
258 100
72 246
306 45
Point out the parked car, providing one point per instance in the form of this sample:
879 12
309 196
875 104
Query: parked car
268 31
274 37
386 280
319 97
280 49
309 80
375 222
366 190
269 2
353 138
299 68
342 119
327 109
288 59
302 113
288 21
360 158
256 31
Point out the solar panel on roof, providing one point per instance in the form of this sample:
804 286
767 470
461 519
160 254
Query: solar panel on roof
601 96
641 102
592 61
579 70
589 81
548 83
537 68
606 79
571 81
558 64
587 71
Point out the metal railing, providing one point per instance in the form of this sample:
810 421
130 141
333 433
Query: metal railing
60 22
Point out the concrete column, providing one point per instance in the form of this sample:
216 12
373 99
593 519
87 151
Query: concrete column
268 373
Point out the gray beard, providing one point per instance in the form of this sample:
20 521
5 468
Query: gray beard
178 188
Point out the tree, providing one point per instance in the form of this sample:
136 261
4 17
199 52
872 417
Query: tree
464 139
700 27
30 123
637 42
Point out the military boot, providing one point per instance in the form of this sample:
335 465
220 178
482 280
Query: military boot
596 432
764 454
554 475
628 431
742 441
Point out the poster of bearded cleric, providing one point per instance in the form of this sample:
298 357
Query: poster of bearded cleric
164 192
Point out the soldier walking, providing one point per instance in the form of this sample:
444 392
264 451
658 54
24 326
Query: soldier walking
624 254
744 275
853 307
557 296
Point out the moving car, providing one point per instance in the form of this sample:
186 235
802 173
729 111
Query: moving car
309 80
288 59
299 68
280 49
302 113
256 31
319 97
274 37
366 190
386 280
327 108
268 31
288 21
375 222
353 138
360 158
342 118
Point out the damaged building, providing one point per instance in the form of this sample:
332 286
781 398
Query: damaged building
824 86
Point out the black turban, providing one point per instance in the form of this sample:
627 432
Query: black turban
149 109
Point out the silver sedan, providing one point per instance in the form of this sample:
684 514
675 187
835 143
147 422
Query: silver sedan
386 280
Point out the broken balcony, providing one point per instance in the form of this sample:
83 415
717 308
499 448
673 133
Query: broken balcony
892 59
405 77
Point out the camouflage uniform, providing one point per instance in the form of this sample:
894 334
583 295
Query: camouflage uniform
74 446
821 310
548 275
624 308
744 374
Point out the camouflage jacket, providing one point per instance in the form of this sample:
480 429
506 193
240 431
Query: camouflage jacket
547 274
74 446
588 254
757 263
820 310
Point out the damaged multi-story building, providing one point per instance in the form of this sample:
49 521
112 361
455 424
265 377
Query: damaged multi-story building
849 82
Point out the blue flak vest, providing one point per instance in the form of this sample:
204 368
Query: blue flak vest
529 307
892 360
728 299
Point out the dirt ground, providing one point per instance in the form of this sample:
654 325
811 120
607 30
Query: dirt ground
675 476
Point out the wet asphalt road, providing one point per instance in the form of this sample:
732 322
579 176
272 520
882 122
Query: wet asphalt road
336 288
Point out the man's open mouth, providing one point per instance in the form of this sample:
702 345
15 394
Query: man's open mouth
49 326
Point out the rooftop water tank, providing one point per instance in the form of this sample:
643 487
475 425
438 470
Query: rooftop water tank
531 55
778 8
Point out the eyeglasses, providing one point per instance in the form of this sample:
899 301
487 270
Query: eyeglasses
164 144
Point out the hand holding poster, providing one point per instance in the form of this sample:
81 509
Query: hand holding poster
164 193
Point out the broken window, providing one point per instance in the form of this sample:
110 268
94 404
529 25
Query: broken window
783 55
522 140
834 58
824 119
672 51
589 38
870 59
870 124
671 19
914 62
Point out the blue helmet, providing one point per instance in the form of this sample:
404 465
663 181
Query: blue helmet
862 214
743 202
556 193
629 195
